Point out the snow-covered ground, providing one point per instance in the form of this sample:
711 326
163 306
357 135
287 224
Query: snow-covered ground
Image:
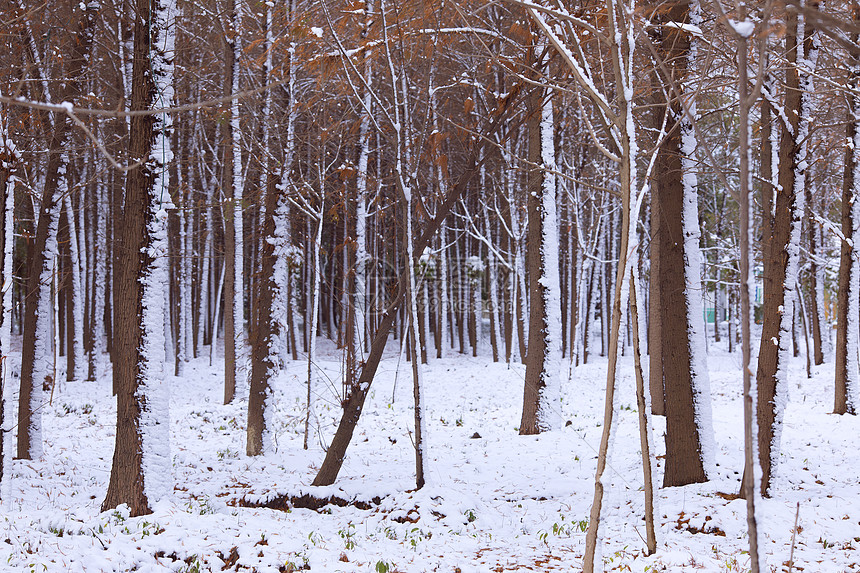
494 500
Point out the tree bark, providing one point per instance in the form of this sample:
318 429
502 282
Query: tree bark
140 472
847 353
541 391
681 360
781 257
29 399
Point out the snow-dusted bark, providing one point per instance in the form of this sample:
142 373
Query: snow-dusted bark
30 408
311 325
10 156
699 378
141 473
780 270
152 390
847 352
238 200
100 274
362 257
77 299
288 258
549 409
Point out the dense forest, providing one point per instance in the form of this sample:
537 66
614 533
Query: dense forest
261 187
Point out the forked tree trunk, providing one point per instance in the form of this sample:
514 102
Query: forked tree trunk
781 258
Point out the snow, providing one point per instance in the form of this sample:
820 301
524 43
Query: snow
497 502
744 29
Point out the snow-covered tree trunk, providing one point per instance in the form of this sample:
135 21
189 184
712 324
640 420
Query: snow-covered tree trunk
781 259
141 470
311 325
9 156
847 352
689 433
238 200
76 350
542 389
36 351
362 257
100 277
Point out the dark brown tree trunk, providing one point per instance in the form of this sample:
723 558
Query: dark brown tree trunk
847 367
778 286
655 325
134 368
264 332
230 286
78 49
535 381
684 450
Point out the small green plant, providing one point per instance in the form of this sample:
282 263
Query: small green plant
227 454
348 536
192 565
315 538
415 535
382 567
459 422
470 515
200 506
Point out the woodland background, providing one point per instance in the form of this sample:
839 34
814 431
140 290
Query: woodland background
546 182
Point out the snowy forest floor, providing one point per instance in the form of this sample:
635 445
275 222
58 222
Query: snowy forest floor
498 502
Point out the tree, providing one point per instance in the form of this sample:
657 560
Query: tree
36 353
682 353
783 244
847 395
542 391
141 472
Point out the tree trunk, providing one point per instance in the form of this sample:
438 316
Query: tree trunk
35 350
141 471
542 388
684 369
781 258
655 308
847 394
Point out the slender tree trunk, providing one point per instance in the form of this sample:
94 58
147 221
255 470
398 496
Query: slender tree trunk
655 308
746 286
35 355
75 350
847 394
542 388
